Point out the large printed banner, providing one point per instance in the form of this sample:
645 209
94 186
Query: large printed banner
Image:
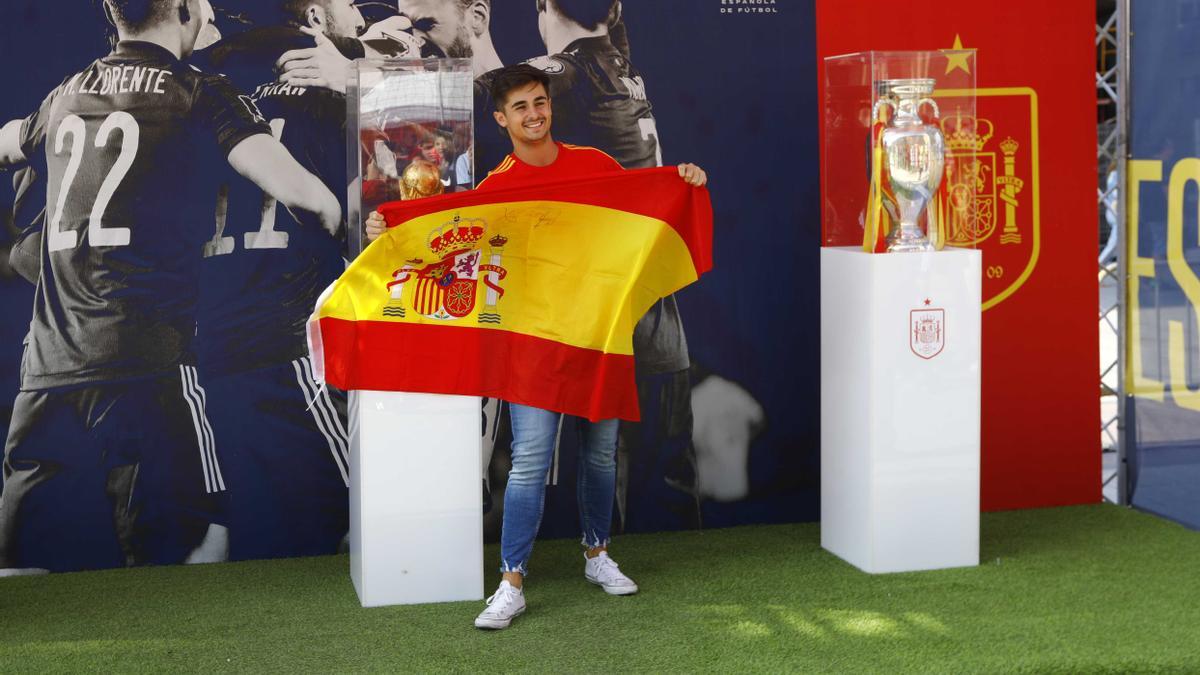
1035 132
1162 329
157 399
156 298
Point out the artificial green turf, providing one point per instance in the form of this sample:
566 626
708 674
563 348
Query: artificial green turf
1079 589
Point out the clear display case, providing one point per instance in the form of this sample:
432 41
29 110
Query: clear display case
902 161
409 123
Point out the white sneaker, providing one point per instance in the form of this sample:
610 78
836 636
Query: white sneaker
603 571
506 604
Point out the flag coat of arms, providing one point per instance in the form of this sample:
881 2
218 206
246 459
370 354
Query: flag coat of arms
528 294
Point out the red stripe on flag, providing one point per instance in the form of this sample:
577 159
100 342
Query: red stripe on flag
387 356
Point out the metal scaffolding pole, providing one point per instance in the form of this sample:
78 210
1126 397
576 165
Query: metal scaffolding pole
1110 153
1123 54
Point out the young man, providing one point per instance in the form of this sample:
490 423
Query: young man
262 273
110 458
523 111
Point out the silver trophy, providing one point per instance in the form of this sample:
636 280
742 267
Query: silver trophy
914 159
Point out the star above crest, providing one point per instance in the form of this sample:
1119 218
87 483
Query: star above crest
958 56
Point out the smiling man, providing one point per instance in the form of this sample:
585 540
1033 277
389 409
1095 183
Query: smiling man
523 110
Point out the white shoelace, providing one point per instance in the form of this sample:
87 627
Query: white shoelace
505 593
607 568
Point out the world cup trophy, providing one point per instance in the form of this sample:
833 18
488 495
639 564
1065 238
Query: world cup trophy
914 159
420 179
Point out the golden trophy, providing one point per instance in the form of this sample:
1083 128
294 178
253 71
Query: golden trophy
420 179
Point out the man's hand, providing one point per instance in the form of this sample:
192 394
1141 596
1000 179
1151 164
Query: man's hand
693 175
322 66
376 226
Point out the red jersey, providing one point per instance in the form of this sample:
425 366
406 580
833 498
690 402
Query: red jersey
573 161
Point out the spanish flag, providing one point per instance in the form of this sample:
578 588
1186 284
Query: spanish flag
528 294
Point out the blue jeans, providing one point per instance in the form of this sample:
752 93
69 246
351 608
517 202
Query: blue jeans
534 431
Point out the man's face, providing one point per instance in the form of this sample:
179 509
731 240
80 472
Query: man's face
526 114
442 22
342 19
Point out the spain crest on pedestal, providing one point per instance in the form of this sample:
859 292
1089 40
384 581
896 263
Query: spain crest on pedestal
927 331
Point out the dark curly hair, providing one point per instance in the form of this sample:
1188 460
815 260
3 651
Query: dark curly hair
515 77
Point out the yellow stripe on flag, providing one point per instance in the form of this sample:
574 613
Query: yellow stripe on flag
577 274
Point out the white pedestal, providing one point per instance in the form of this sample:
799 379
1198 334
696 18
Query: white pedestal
900 417
416 523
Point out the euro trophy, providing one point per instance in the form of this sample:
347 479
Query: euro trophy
914 160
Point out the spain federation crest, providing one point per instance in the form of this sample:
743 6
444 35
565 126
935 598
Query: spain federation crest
447 289
992 199
927 331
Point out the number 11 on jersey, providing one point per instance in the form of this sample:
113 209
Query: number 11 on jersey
266 236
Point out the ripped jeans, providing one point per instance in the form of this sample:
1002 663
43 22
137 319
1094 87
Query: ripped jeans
534 431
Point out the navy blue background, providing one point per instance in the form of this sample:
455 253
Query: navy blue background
733 93
1164 438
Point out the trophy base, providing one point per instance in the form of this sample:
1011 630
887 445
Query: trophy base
899 490
908 239
416 534
913 245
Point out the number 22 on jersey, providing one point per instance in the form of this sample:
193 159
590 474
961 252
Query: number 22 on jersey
74 127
